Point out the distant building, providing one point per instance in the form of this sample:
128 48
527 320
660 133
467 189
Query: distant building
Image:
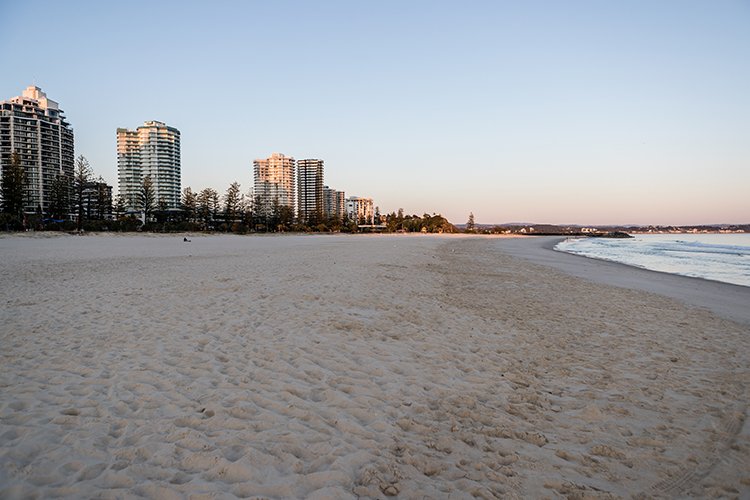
310 202
334 203
152 150
360 210
274 183
36 128
97 196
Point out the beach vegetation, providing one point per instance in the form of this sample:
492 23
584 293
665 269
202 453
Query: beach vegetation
104 199
81 177
233 201
208 207
253 218
119 207
285 218
470 225
14 185
435 223
188 204
59 206
204 210
147 201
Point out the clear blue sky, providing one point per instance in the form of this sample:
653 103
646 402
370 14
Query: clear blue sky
564 112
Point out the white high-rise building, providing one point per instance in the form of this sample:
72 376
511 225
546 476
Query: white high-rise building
334 203
360 209
35 128
152 150
274 183
310 189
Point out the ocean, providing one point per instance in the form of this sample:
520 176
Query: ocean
719 257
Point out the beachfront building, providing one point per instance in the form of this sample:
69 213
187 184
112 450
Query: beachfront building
152 150
310 190
34 127
274 183
97 200
360 210
334 203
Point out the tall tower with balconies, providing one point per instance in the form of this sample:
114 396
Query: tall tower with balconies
35 128
152 150
274 183
334 203
310 202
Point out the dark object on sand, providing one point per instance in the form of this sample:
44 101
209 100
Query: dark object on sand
186 240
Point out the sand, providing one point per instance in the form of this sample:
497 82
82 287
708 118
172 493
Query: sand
725 299
357 366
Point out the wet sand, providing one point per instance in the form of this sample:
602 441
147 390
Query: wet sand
725 299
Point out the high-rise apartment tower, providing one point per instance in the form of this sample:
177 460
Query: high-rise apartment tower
310 202
274 182
334 203
35 127
152 150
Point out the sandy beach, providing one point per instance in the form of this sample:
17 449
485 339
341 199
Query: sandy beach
363 367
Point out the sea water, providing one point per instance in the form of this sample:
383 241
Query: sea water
720 257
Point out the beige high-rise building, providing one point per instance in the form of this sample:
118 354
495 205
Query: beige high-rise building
360 210
310 203
334 203
36 128
274 183
151 150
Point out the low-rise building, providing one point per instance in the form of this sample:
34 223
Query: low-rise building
97 200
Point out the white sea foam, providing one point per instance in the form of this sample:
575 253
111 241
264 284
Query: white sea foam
719 257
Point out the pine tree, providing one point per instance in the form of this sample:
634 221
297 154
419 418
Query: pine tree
81 178
14 187
470 223
119 206
189 204
275 217
59 205
258 216
103 199
148 198
232 200
207 205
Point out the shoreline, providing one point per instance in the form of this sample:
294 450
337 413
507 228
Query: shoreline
552 245
728 300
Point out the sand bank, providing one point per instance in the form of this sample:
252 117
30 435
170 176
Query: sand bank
343 367
725 299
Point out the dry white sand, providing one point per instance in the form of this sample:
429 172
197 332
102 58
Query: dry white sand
342 367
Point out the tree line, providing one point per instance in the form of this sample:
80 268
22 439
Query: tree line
82 202
74 198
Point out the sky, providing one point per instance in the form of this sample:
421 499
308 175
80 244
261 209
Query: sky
576 112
